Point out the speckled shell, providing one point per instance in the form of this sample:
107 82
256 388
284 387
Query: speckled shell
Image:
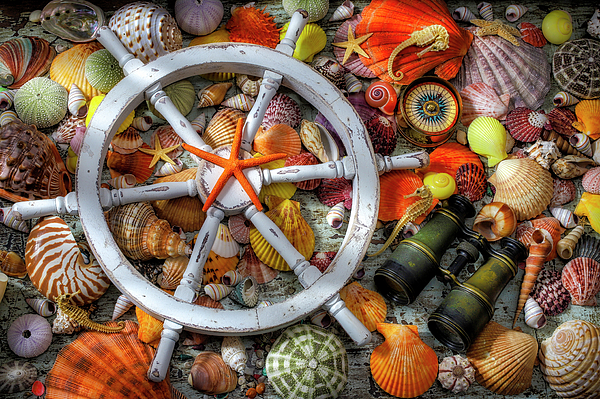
146 30
12 264
41 102
24 58
534 315
581 277
543 152
102 70
198 18
213 95
573 69
58 265
561 119
310 134
463 14
42 306
68 67
383 134
305 158
221 128
250 265
523 185
456 373
591 180
317 9
571 166
264 31
564 191
225 245
278 139
480 99
403 365
234 353
141 235
216 266
307 358
282 109
494 221
33 344
569 359
16 376
288 218
334 191
353 63
550 293
122 305
593 25
525 124
331 69
368 306
172 272
503 359
322 260
249 85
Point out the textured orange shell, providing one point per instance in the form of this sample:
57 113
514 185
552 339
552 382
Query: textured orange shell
250 25
68 67
368 306
403 365
150 327
448 157
394 186
280 138
393 21
136 163
216 266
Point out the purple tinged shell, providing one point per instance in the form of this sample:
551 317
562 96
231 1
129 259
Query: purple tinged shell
198 17
564 191
561 120
526 124
549 292
383 134
534 314
353 63
334 191
44 307
471 181
66 129
463 14
239 227
321 120
344 11
16 376
29 336
514 12
282 109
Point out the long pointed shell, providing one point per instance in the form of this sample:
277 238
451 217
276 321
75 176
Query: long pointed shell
564 99
8 116
234 353
231 278
566 246
122 305
310 134
42 306
199 123
241 101
353 84
77 103
217 291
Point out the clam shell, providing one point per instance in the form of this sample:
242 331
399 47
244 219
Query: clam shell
487 137
264 30
571 166
122 305
589 206
344 11
168 138
310 135
246 292
503 359
463 14
561 119
221 128
353 63
588 247
471 181
29 335
305 158
68 67
147 30
514 12
16 376
24 58
249 85
282 109
335 216
569 359
225 245
280 190
523 185
334 191
494 221
403 365
573 71
532 34
137 164
525 124
581 277
588 118
12 264
8 218
480 99
534 315
563 192
42 306
278 139
58 265
128 141
239 227
41 102
550 293
172 272
216 266
485 11
213 95
250 265
199 18
311 41
448 157
368 306
217 291
288 218
234 353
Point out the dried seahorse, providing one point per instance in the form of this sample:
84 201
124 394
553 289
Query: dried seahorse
436 36
412 212
81 316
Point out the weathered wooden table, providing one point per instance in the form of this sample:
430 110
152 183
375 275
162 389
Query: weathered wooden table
14 22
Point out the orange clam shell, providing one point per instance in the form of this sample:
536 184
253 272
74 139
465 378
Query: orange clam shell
368 306
136 163
150 327
393 21
448 157
394 186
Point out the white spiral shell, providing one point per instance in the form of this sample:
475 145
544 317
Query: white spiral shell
564 99
217 291
76 102
169 169
42 306
514 12
241 101
344 11
122 305
534 316
566 217
123 181
485 11
335 216
7 217
199 123
463 14
234 353
231 278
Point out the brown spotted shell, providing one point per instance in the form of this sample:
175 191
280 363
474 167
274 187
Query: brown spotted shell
282 109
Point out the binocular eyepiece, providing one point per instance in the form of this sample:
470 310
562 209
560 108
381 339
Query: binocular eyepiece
469 305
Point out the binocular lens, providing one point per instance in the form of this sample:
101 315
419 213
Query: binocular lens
392 286
447 334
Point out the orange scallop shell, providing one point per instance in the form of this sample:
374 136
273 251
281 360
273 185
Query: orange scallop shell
150 327
393 21
394 186
279 139
368 306
136 163
128 141
68 67
448 157
403 365
250 25
221 128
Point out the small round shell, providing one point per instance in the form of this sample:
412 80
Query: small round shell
142 123
29 335
566 217
231 278
463 14
382 95
495 220
534 316
514 12
123 181
456 373
249 85
7 97
321 318
335 216
485 11
7 217
246 292
353 84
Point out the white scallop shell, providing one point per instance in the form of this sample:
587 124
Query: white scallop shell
335 216
142 123
514 12
123 181
310 134
7 217
225 245
122 305
534 316
217 291
566 218
76 102
344 11
241 101
234 353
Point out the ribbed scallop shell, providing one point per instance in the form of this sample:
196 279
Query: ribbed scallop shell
471 181
588 247
480 99
42 306
353 63
570 359
221 128
561 119
24 58
589 206
67 128
150 327
239 227
334 191
310 135
250 265
503 359
147 30
487 137
216 266
581 277
172 272
128 141
573 70
514 12
564 191
112 365
550 293
494 221
185 212
168 138
280 190
368 306
278 139
288 218
282 109
136 163
448 157
225 245
141 235
588 118
532 34
42 102
68 67
394 186
122 305
58 265
311 41
403 365
213 95
305 158
12 264
523 185
249 85
383 134
525 124
250 25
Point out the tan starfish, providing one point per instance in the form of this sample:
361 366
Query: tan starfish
159 152
353 45
496 27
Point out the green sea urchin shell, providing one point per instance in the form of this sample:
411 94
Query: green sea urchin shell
307 362
182 94
102 70
42 102
316 9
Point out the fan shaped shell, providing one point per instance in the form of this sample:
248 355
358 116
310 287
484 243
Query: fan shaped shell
311 41
588 118
564 191
128 141
24 58
503 359
224 244
112 365
58 265
136 163
471 181
68 67
523 185
250 25
394 186
353 63
403 365
368 306
589 206
250 265
573 69
282 109
216 266
581 277
480 99
448 157
392 22
172 272
487 137
561 119
532 34
526 124
281 190
12 264
305 158
334 191
221 128
278 139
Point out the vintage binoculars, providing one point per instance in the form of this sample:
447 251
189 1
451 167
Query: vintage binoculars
470 305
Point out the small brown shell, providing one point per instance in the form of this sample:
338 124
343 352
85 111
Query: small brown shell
172 272
239 227
249 85
250 265
495 220
128 141
210 375
12 264
572 166
561 119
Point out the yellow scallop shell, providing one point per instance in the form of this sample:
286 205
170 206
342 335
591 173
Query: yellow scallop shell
487 137
281 190
95 102
589 206
68 67
311 41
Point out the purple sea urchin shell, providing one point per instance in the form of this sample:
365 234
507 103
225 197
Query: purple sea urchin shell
29 336
198 17
550 293
282 109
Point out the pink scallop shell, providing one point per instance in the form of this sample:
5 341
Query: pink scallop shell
564 191
581 277
591 180
525 124
250 265
353 64
305 158
168 138
561 119
532 34
480 99
334 191
282 109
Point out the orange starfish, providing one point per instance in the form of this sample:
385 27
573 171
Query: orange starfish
233 167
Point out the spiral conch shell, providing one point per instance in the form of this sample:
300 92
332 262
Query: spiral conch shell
494 221
234 353
569 360
524 185
141 235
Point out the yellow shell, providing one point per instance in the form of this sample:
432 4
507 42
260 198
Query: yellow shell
570 359
281 190
221 128
442 185
150 327
225 245
311 41
368 306
213 95
218 36
95 102
487 137
403 365
588 118
589 206
68 67
557 27
523 185
503 359
288 218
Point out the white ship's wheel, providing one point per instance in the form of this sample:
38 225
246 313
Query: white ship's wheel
277 67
